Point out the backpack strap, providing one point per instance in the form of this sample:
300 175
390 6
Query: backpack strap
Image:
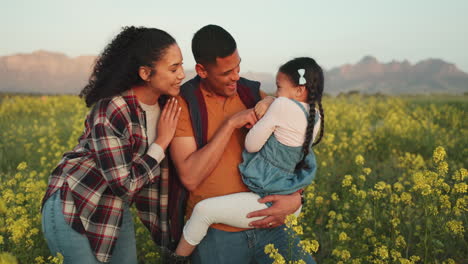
249 92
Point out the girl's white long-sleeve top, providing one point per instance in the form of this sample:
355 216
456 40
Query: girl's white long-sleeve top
286 120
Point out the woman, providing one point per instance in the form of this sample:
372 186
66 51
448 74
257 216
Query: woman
85 213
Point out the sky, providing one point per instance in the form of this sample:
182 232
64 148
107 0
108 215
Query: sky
268 33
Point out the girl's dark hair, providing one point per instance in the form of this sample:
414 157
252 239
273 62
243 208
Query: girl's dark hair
211 42
314 84
116 68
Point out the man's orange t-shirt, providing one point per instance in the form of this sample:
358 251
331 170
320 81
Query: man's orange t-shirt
225 178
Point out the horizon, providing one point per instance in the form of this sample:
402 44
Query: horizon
333 33
253 71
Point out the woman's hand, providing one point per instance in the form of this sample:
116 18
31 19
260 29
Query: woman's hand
167 123
262 106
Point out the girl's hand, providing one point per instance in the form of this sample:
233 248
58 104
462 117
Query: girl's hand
167 123
262 106
245 118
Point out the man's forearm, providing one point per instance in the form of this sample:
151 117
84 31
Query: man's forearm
198 165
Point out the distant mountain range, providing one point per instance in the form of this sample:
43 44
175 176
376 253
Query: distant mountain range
371 76
56 73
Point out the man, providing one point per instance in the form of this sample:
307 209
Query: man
207 148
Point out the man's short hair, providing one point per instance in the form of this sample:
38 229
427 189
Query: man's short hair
211 42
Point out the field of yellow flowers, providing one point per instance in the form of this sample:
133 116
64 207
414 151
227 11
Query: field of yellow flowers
391 185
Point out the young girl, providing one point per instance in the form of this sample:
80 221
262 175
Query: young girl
85 214
277 159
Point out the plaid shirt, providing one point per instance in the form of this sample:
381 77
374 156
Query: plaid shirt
109 167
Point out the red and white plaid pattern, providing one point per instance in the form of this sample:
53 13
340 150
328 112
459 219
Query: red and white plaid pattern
107 168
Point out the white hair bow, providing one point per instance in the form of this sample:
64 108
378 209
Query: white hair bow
302 80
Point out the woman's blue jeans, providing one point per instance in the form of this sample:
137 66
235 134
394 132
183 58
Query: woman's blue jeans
74 247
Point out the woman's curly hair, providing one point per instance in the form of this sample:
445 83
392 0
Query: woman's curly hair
116 69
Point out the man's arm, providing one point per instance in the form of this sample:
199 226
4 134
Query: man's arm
195 165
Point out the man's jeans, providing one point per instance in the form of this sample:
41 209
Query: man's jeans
220 247
74 247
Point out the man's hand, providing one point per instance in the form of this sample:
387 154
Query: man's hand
245 118
194 165
283 205
262 106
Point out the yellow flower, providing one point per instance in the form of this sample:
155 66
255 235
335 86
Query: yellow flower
460 187
442 168
406 198
269 248
445 201
339 217
405 261
400 242
456 227
343 237
367 171
395 222
298 230
58 259
309 246
359 160
343 254
319 200
274 254
291 220
449 261
461 205
395 255
380 186
394 198
381 252
362 194
439 154
398 187
22 166
39 260
348 179
463 174
368 232
335 197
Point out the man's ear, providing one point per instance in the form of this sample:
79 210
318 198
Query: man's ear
201 70
145 73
